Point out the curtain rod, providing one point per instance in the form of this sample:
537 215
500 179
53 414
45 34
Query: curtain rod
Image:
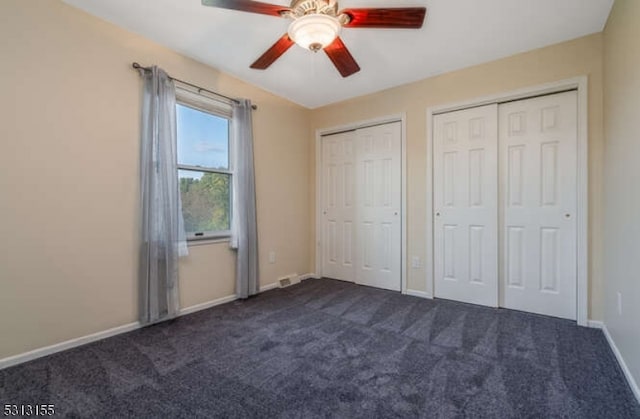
200 89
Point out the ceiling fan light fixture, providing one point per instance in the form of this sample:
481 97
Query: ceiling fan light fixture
314 31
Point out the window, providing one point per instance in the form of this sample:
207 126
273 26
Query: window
204 165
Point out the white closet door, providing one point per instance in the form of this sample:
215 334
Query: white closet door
538 141
466 205
338 218
379 192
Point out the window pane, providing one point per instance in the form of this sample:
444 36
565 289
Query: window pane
203 138
205 201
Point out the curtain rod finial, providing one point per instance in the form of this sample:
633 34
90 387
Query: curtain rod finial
137 66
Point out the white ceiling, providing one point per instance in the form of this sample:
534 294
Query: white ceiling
456 34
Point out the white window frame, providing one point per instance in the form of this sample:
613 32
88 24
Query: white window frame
220 109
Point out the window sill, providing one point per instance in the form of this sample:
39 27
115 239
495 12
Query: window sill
207 241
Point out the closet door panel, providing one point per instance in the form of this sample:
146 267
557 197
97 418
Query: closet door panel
338 214
538 152
379 206
465 198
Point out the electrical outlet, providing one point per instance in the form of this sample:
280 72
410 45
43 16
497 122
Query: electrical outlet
415 262
272 257
619 303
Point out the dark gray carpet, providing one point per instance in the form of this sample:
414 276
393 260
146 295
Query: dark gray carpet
332 349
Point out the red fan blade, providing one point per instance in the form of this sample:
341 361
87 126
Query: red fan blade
280 47
401 17
342 58
247 6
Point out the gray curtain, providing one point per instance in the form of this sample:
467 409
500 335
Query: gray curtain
162 228
244 229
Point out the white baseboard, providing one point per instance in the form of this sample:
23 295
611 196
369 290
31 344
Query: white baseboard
206 305
62 346
304 277
268 287
625 369
416 293
595 324
83 340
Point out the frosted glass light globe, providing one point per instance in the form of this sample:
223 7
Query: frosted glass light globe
314 31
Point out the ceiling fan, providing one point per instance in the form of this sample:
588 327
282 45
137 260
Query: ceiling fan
317 23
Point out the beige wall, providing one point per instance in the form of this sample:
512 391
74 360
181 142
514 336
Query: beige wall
621 174
69 167
582 56
69 150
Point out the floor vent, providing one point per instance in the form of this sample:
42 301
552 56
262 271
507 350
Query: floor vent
285 282
288 280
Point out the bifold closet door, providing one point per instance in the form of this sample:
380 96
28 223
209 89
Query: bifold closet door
338 195
538 165
379 201
361 194
465 196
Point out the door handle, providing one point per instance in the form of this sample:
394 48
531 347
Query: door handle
438 214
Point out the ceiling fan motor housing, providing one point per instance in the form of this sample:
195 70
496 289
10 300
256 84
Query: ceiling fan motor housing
301 8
